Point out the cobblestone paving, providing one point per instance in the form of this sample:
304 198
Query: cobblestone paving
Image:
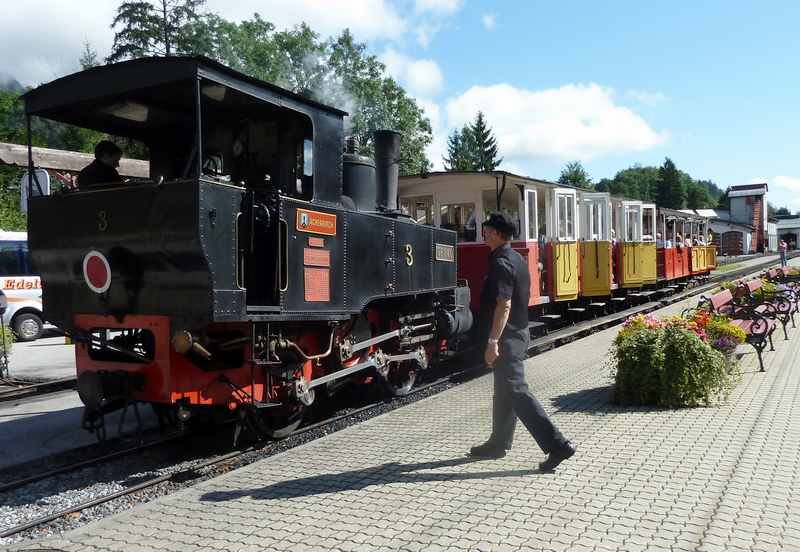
701 479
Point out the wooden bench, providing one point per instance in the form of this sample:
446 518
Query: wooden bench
788 280
779 305
757 327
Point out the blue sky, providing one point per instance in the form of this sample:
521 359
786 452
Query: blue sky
713 85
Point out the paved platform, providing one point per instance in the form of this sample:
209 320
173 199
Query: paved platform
700 479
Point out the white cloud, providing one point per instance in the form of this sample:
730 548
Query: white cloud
48 45
367 19
571 122
422 77
489 21
447 7
648 98
788 182
38 47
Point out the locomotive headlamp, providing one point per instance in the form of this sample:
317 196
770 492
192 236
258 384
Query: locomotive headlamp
182 341
184 413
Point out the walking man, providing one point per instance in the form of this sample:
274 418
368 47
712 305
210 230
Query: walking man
503 327
782 250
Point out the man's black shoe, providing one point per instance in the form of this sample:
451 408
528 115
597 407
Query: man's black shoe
556 457
487 450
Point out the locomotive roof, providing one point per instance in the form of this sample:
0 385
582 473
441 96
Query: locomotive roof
64 98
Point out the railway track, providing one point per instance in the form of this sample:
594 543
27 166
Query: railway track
189 474
11 390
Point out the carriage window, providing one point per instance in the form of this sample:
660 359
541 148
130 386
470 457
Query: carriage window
632 218
565 204
509 205
596 217
530 197
648 230
459 217
418 208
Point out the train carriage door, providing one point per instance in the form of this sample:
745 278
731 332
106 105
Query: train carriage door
649 237
564 250
630 221
529 246
595 244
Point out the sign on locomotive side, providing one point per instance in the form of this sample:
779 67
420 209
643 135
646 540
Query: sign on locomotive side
315 222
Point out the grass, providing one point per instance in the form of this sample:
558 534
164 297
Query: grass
729 267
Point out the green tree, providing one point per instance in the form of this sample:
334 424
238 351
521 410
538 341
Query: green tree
697 196
638 182
782 212
671 191
337 72
485 144
461 155
573 174
165 28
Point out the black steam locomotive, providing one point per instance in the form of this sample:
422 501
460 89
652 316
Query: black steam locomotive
257 266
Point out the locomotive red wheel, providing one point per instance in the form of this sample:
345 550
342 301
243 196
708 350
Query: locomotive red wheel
400 379
280 421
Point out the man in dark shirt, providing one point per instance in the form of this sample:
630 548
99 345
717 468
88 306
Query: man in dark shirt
103 170
503 326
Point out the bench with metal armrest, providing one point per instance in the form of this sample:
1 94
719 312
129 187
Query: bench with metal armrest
756 325
779 304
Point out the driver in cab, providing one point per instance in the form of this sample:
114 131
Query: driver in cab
103 170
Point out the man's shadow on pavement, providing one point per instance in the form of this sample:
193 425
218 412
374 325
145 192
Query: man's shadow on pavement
391 472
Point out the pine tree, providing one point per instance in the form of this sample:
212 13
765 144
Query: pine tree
88 57
485 144
163 29
461 151
671 191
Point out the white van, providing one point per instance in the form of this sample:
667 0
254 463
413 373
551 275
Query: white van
22 286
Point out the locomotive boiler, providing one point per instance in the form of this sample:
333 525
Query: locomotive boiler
257 267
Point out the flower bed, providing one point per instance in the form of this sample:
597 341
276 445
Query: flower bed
675 361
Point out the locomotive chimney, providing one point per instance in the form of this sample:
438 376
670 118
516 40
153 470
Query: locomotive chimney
387 168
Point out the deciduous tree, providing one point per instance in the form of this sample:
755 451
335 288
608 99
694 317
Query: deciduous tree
573 174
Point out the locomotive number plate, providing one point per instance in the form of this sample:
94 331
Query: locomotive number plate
445 253
315 222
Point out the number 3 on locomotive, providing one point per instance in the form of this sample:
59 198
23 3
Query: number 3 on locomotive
409 254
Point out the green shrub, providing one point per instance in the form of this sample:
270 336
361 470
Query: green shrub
7 343
694 373
638 356
668 366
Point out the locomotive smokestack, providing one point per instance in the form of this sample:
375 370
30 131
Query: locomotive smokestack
387 168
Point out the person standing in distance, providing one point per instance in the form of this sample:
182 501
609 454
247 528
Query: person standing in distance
503 327
782 250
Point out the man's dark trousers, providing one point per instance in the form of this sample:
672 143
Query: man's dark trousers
513 399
